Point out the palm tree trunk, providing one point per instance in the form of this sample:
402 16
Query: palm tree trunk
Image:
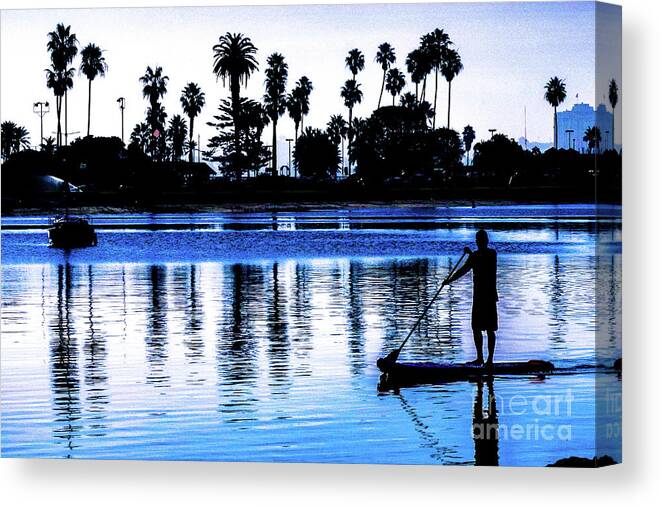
274 150
58 107
416 92
66 119
89 104
383 82
393 100
555 127
435 97
350 139
449 95
191 119
237 134
424 89
342 142
613 131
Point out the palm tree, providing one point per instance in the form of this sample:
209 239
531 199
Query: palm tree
14 138
274 98
48 147
415 65
355 62
63 48
468 136
613 99
385 57
192 101
450 68
408 100
435 45
93 64
141 136
305 87
154 87
337 131
556 92
592 136
55 81
294 108
234 60
352 95
395 82
176 135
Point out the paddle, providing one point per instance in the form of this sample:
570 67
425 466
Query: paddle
395 353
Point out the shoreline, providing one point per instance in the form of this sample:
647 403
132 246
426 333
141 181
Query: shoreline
266 208
282 206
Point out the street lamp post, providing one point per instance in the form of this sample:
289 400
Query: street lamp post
569 133
38 108
289 141
122 104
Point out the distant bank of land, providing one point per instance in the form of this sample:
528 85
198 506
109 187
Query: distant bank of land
300 200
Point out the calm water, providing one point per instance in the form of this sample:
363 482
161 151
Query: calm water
254 336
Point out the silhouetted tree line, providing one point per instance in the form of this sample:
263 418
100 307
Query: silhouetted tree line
502 162
99 165
398 145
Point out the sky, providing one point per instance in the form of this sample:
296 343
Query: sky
509 50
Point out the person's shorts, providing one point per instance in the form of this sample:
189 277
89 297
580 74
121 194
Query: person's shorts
485 316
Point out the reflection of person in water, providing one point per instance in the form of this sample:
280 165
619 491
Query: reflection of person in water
485 426
485 296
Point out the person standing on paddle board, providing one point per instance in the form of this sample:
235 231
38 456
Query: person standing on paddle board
485 296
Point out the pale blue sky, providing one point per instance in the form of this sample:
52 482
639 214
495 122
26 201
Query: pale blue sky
509 50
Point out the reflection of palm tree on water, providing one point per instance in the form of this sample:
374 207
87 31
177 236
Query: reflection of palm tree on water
96 376
277 331
301 312
558 305
236 348
356 321
194 322
64 368
156 338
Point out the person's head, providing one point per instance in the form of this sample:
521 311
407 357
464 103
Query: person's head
481 239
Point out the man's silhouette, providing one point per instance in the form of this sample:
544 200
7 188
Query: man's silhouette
485 314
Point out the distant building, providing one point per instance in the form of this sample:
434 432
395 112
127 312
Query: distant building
580 118
530 145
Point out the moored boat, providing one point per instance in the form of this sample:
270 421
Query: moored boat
396 373
71 232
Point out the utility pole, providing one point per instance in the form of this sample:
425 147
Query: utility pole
493 131
122 104
38 108
289 141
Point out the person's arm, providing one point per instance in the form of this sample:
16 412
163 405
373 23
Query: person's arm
468 265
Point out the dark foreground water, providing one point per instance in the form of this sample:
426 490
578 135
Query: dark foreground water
253 337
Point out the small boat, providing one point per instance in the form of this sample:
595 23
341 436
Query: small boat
396 373
71 232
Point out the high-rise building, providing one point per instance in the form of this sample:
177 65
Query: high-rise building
580 118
